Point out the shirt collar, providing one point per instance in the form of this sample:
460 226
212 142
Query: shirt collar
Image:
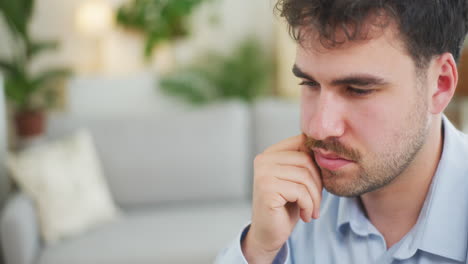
444 219
442 226
351 215
348 210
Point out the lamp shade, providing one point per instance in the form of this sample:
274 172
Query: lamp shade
94 17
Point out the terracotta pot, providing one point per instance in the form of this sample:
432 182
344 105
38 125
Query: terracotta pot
29 123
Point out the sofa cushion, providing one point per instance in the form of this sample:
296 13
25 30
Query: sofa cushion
173 156
274 120
64 178
171 236
86 95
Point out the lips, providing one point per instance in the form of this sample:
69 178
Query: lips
330 161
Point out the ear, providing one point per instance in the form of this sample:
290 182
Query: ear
446 78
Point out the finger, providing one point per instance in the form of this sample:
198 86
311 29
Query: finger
301 176
297 193
293 143
294 158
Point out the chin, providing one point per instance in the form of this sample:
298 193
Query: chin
346 184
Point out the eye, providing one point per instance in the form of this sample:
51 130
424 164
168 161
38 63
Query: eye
309 84
358 92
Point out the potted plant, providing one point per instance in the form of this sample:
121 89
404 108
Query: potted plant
245 74
158 20
29 94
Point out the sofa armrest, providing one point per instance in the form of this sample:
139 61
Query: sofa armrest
19 231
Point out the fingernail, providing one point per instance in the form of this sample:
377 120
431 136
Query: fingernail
315 215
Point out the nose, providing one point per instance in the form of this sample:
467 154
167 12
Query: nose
324 118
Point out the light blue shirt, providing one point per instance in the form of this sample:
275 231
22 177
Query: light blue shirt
343 234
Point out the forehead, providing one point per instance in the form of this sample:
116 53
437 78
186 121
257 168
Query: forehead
381 55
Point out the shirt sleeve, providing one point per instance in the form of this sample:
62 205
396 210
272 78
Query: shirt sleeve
232 254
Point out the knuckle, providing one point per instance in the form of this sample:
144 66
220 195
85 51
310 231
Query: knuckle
303 193
306 159
307 177
311 182
306 197
258 160
306 204
275 201
310 179
266 185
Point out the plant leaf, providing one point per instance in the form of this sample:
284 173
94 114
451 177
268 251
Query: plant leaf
191 85
8 68
17 14
45 77
245 75
157 20
16 90
34 48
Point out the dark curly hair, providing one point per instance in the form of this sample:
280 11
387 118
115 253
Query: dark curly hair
427 27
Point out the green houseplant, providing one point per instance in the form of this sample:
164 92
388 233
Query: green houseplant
29 94
245 74
158 20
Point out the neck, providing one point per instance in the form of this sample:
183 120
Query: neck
394 209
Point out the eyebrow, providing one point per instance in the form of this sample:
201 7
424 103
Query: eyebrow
361 80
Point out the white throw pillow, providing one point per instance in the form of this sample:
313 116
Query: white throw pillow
65 179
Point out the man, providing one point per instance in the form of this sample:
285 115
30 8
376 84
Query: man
376 76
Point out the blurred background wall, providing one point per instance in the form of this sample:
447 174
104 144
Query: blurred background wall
217 25
57 19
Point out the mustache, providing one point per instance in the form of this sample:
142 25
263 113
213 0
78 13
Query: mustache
332 145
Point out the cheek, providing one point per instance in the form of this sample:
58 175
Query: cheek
307 104
371 125
305 117
374 125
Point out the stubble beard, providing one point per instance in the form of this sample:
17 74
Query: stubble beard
376 170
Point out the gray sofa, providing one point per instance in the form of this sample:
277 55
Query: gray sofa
181 178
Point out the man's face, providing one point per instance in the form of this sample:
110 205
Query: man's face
364 110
